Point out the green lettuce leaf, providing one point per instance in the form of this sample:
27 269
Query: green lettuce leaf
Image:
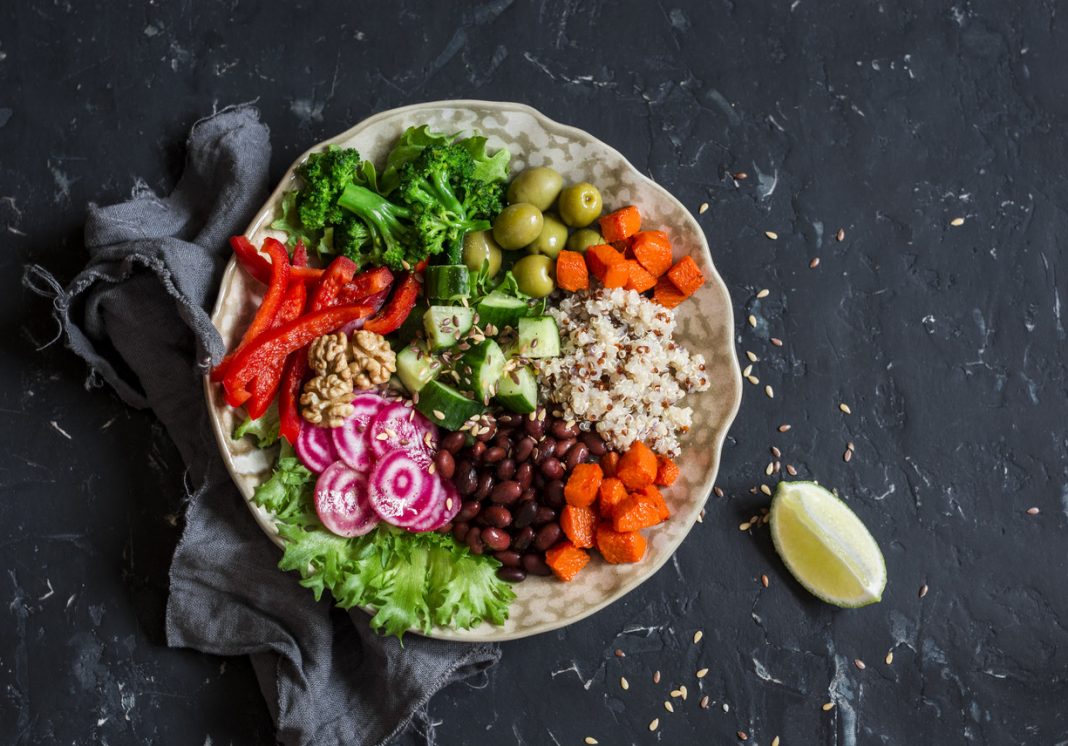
264 429
408 147
487 167
289 223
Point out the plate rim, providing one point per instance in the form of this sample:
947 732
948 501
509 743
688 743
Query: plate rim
722 428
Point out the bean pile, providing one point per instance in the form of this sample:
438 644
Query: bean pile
512 480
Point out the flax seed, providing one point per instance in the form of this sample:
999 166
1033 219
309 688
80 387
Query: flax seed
847 456
747 371
859 664
741 176
923 590
828 706
703 208
772 235
769 391
765 489
744 526
701 673
623 683
697 636
841 234
654 724
956 222
845 408
742 736
656 677
775 741
592 741
776 341
791 470
718 490
668 706
776 452
784 428
704 702
752 356
1032 511
763 293
889 657
752 321
814 263
764 580
753 380
620 653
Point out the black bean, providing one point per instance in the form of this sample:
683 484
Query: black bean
577 455
466 479
539 479
485 486
544 515
528 494
495 539
553 493
562 447
509 558
488 434
497 516
523 474
547 535
477 450
552 468
445 464
474 541
468 510
524 513
459 530
534 427
564 431
506 492
534 564
504 440
506 469
493 455
511 574
453 442
445 528
595 443
523 449
522 538
545 450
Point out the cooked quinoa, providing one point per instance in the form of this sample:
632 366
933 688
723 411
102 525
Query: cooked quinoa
619 370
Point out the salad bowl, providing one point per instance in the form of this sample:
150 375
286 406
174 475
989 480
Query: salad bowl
705 326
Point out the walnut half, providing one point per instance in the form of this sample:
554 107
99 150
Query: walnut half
327 400
373 360
329 355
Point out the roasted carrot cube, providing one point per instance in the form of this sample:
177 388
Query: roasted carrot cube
621 224
639 279
620 547
583 485
637 511
667 471
637 467
599 258
667 295
686 276
571 272
617 276
565 560
612 493
609 462
657 498
579 525
652 249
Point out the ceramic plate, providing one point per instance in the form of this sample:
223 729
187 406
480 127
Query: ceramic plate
705 325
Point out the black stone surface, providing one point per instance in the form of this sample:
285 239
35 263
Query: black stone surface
948 343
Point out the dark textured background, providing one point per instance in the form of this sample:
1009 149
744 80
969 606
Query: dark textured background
948 344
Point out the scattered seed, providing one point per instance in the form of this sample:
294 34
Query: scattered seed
775 741
718 490
701 673
439 414
747 371
847 456
697 636
654 724
764 580
744 526
776 341
752 356
620 653
752 379
956 222
889 657
769 469
752 320
765 489
726 707
592 741
827 707
775 452
741 176
1032 511
763 293
703 208
769 391
772 235
845 408
704 702
683 692
701 516
923 590
840 235
656 677
815 262
859 663
851 446
742 736
754 519
623 683
381 436
791 470
668 706
784 428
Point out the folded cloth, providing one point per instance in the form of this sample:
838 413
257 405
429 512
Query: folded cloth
138 315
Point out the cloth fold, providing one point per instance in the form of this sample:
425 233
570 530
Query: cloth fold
138 314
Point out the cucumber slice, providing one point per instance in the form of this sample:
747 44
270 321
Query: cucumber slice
501 310
445 406
444 324
447 281
482 367
416 367
538 337
518 390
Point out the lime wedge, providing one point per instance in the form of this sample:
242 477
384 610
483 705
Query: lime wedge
825 546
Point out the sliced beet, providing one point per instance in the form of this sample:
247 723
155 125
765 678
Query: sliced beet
353 445
315 447
448 503
341 501
398 427
402 491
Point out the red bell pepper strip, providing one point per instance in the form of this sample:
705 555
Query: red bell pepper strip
336 276
276 344
364 285
390 318
288 394
300 254
265 384
259 267
268 309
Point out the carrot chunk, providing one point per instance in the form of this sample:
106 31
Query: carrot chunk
667 471
617 547
579 525
686 276
612 493
637 467
599 258
617 276
657 498
653 250
571 272
639 279
667 295
565 560
583 485
609 462
635 513
621 224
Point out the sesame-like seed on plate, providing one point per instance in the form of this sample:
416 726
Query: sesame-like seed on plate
845 408
765 489
654 724
623 683
744 526
769 391
847 456
683 691
701 516
381 436
775 452
764 293
704 702
851 445
668 707
702 672
769 469
718 490
859 664
923 590
764 580
703 208
776 341
775 741
742 736
840 235
784 428
791 470
726 707
752 379
676 692
741 176
772 235
752 320
656 677
439 414
1032 511
448 501
591 741
432 468
747 371
752 356
697 636
828 706
620 653
754 519
889 657
956 222
815 262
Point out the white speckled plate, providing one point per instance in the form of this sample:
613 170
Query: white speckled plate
706 325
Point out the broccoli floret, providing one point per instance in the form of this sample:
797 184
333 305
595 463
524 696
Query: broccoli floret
388 225
325 176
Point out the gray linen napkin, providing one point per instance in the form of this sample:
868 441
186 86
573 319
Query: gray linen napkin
138 316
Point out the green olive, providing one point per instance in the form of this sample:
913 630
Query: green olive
534 275
517 225
583 239
552 238
479 247
579 205
539 186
